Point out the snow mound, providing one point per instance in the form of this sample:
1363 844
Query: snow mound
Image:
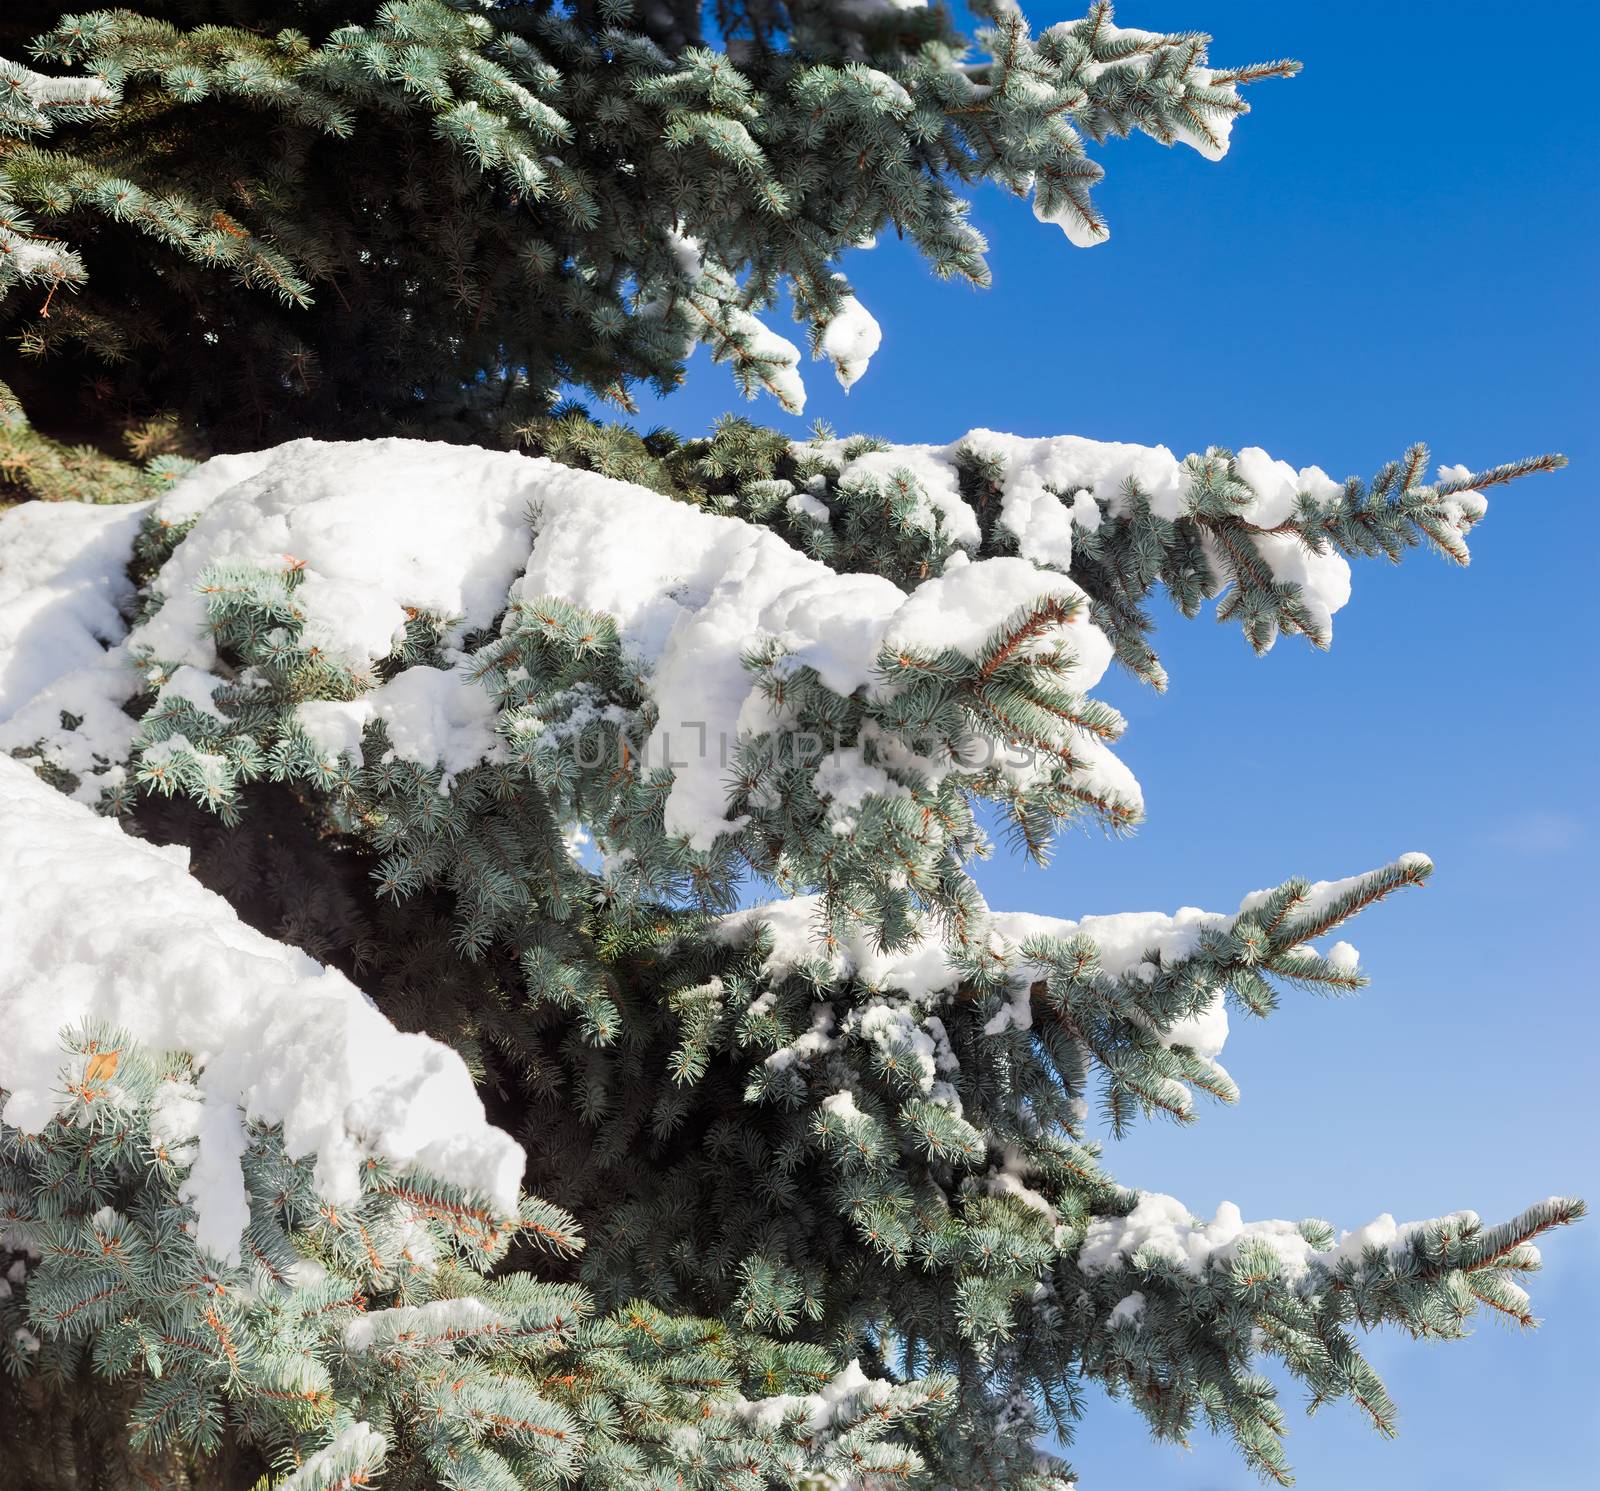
96 926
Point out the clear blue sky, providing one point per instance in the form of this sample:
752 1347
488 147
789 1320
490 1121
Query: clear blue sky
1401 245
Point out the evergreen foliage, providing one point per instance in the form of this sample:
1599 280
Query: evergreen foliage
338 217
824 1208
857 1117
367 1337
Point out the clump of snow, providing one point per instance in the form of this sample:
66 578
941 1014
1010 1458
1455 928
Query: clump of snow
841 1398
176 1118
696 591
1343 956
934 478
95 926
433 716
1075 219
1010 1178
35 101
851 335
1212 129
379 529
962 608
1129 945
1054 485
817 1041
192 686
804 505
1161 1227
842 1105
1127 1311
360 1444
440 1321
781 356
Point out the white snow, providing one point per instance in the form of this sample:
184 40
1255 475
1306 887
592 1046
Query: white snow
1324 893
1160 1226
434 716
1212 140
804 505
1010 1178
782 375
1127 1311
360 1444
1205 1033
923 970
963 607
1056 484
842 1105
440 1321
850 337
97 926
934 477
35 101
1082 230
923 973
839 1399
63 582
382 531
1343 956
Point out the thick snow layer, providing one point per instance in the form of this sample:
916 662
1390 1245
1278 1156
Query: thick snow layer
95 926
1161 1226
383 530
378 528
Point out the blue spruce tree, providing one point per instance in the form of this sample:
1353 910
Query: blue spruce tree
530 1019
